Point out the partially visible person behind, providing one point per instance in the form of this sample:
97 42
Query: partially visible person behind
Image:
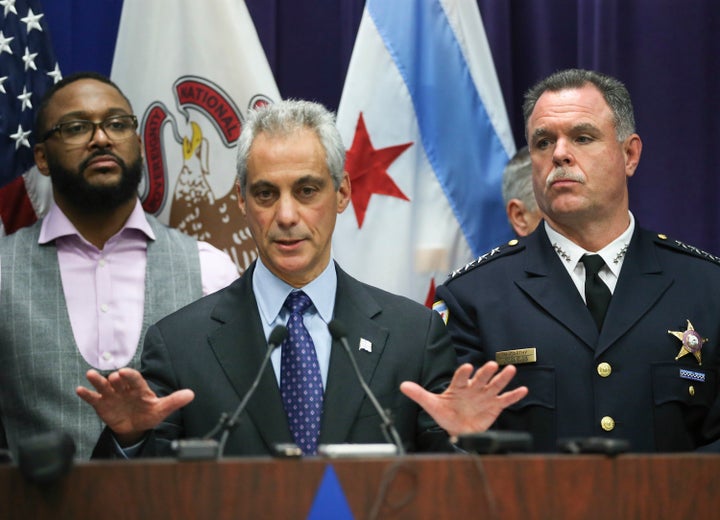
517 191
614 329
79 288
199 362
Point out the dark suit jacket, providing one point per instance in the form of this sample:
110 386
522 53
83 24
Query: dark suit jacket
522 296
215 346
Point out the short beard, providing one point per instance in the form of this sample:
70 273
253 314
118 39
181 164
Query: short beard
89 199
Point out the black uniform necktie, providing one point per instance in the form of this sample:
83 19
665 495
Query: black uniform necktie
597 294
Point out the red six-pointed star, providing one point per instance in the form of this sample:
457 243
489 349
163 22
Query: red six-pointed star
367 168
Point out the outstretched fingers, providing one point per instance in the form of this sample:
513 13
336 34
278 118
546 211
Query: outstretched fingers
127 404
513 396
416 393
128 381
461 378
496 382
99 382
175 401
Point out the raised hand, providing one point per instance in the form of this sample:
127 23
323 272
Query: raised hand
125 402
469 404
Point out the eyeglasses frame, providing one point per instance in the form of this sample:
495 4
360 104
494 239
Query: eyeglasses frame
58 126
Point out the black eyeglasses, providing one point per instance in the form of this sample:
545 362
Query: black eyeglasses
81 131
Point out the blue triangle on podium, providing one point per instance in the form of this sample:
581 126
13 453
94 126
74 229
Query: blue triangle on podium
330 502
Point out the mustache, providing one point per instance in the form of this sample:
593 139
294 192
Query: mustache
98 153
562 174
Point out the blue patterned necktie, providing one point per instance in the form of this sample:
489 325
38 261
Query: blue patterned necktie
300 381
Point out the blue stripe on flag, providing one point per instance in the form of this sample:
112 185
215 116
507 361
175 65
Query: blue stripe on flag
459 139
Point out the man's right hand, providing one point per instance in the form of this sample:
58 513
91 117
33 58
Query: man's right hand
125 402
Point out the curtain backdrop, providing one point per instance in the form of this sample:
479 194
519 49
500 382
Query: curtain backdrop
666 51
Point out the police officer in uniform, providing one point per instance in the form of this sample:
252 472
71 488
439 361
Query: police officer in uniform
614 329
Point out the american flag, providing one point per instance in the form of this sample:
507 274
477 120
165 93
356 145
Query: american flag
27 68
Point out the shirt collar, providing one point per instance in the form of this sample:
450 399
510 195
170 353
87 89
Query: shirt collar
613 254
271 292
56 224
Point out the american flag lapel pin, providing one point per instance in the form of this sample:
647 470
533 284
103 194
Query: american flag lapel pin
365 345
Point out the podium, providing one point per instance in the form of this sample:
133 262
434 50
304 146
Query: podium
682 486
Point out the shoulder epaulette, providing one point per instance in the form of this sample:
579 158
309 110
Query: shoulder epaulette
512 247
685 248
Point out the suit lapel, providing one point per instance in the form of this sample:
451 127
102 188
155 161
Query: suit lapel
548 283
355 308
239 345
641 283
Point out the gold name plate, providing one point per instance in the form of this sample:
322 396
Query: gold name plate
517 356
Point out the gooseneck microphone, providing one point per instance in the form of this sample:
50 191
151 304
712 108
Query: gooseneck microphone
339 333
208 447
277 336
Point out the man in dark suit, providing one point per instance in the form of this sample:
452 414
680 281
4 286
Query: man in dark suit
200 361
640 361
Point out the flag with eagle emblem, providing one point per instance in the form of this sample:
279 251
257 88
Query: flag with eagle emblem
192 70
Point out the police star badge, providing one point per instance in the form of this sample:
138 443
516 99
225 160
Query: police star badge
692 342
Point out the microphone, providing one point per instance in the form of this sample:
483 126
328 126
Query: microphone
207 447
339 333
46 457
277 336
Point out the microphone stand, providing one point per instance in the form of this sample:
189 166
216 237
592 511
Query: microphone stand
208 447
337 331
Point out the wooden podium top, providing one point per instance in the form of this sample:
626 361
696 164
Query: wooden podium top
682 486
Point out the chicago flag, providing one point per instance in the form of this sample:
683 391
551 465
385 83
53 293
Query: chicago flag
192 70
427 137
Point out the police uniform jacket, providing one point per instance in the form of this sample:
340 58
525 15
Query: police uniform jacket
623 381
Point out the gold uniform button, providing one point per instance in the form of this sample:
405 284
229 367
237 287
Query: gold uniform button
607 423
604 369
514 242
691 390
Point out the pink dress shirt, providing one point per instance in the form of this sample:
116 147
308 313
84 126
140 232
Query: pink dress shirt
105 289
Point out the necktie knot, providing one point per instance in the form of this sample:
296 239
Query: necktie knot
297 302
592 263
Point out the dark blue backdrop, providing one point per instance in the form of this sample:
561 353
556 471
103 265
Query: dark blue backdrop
666 51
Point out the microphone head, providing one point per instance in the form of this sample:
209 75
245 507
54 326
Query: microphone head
337 329
46 457
278 335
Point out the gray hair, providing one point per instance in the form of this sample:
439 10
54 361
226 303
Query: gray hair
615 93
517 180
285 118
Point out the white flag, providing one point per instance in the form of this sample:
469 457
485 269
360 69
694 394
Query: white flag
191 71
424 122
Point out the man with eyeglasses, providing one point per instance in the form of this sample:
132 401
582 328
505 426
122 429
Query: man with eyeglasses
79 288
